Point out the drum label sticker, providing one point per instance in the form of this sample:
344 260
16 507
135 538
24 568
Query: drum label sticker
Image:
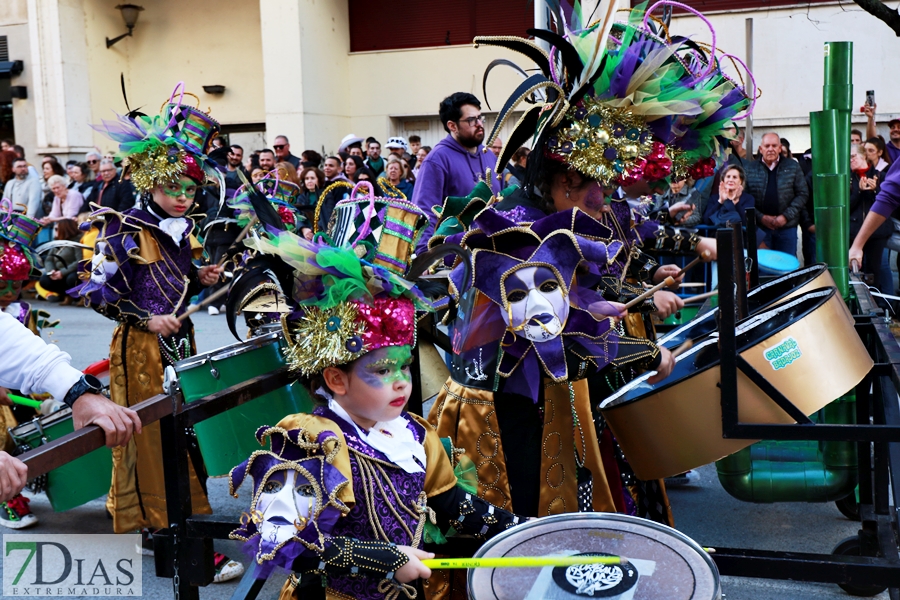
784 354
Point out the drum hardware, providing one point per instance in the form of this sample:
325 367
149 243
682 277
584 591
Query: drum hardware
523 562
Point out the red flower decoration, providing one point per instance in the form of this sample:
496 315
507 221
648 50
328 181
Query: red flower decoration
13 264
702 169
287 215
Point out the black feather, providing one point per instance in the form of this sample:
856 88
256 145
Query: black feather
264 210
522 47
526 85
524 130
495 63
424 261
571 60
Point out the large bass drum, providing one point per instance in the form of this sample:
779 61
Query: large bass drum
663 564
806 348
770 293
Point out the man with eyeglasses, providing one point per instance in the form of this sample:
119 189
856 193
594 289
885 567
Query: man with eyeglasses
283 151
458 162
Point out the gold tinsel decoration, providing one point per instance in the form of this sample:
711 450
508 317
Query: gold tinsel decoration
155 167
602 142
320 338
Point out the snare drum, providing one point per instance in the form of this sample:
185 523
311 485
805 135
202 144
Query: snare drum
75 483
228 438
663 564
807 348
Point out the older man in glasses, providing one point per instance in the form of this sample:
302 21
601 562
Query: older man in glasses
283 151
458 162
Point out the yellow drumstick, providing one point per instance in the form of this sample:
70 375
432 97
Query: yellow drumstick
521 561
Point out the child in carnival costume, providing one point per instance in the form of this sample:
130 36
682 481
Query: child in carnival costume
141 275
18 264
625 106
346 495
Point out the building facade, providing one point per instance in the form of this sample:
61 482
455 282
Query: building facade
316 70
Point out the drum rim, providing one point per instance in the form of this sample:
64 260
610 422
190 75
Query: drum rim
601 516
605 404
218 354
51 420
820 266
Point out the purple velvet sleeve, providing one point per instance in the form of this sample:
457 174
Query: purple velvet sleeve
888 198
428 193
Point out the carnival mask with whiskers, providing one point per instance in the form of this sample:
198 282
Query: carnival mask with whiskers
537 306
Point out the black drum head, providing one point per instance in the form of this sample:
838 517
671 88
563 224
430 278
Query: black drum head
596 580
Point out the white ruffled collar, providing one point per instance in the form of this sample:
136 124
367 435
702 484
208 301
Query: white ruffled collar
391 438
175 227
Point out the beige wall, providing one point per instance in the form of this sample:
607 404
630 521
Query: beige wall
202 42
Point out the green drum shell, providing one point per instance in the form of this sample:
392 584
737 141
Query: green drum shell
229 438
75 483
685 315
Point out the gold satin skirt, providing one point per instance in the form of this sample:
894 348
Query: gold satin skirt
137 497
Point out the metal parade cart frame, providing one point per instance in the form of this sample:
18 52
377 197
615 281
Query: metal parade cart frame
184 551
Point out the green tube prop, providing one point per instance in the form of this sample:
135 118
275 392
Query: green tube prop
771 471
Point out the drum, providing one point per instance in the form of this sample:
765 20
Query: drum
663 564
687 314
75 483
773 262
227 439
806 348
762 296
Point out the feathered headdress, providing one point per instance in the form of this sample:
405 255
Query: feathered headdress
160 149
622 101
281 194
351 300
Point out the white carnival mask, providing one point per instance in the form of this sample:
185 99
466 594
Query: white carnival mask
103 266
286 503
537 306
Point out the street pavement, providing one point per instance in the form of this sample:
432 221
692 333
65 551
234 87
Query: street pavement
703 511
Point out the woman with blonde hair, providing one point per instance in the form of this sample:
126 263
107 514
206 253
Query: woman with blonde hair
66 202
287 172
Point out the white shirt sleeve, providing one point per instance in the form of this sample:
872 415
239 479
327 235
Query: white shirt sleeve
29 364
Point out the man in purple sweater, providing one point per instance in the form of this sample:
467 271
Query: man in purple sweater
887 200
458 162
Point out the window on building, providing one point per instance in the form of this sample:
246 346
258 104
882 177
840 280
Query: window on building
395 24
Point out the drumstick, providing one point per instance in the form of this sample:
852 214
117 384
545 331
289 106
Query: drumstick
682 348
24 401
240 237
700 297
692 264
521 562
669 281
208 300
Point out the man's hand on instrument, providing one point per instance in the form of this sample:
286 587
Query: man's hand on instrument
164 325
665 366
13 475
4 397
117 422
414 569
667 304
706 249
668 271
209 275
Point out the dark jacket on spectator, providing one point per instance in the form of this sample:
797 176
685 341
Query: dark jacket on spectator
791 188
713 208
118 195
861 202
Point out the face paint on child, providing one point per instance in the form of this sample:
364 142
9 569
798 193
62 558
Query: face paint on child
378 387
384 369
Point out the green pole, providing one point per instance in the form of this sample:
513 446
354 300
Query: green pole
837 93
833 226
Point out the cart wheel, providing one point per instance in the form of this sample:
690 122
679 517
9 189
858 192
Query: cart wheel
850 547
848 506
